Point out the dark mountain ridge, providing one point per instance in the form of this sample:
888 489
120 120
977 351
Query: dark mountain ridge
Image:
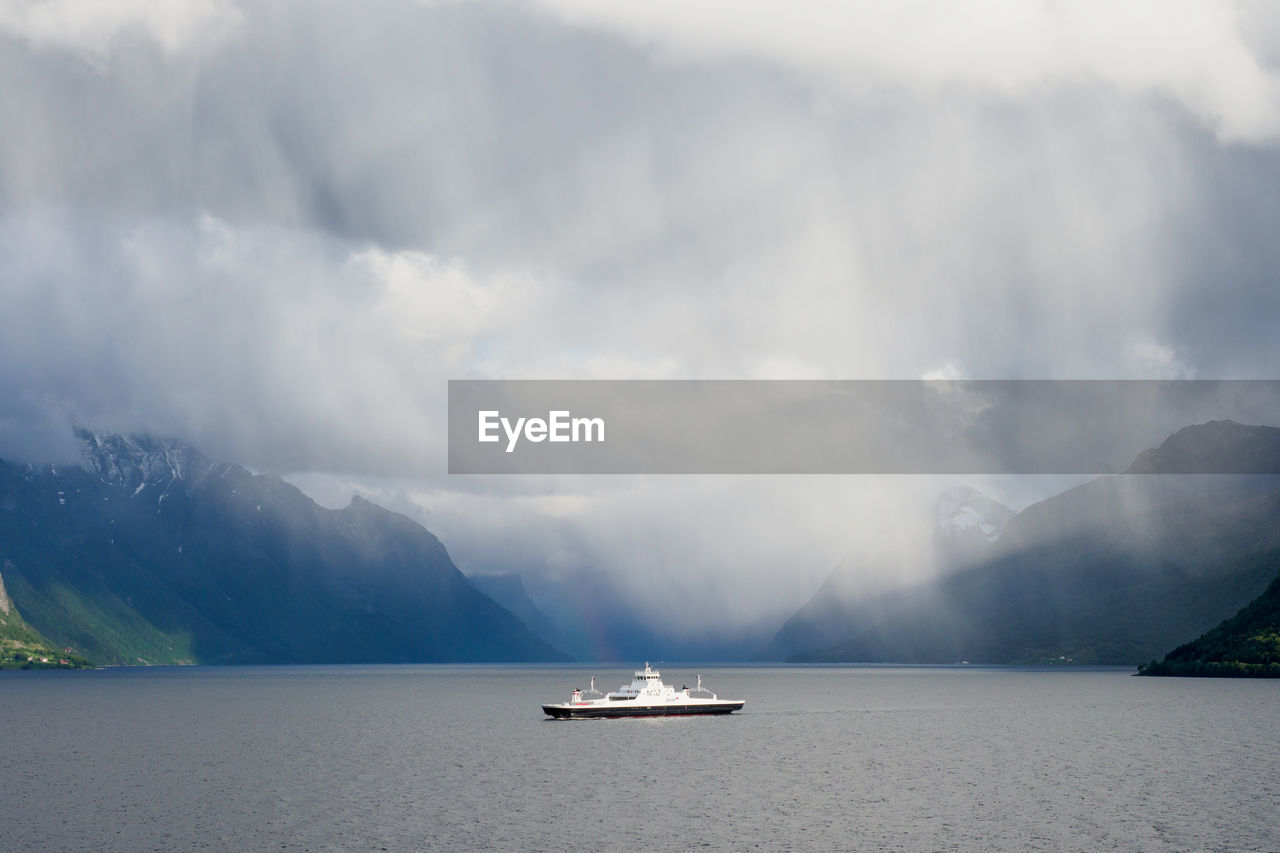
1216 447
153 554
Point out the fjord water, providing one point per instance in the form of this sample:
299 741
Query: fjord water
443 757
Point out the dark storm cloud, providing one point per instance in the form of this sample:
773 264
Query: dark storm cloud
278 229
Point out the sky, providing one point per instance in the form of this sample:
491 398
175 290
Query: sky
276 229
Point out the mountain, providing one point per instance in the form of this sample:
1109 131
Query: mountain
1113 571
21 646
508 590
1216 447
150 553
1247 644
966 524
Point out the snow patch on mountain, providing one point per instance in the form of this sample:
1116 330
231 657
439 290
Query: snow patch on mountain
965 517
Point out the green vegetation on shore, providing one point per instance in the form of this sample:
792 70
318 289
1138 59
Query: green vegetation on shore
1245 646
41 657
22 647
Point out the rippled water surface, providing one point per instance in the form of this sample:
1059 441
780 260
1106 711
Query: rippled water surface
440 758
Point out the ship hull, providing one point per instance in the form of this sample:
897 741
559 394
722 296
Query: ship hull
598 712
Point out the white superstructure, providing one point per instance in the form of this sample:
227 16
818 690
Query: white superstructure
645 696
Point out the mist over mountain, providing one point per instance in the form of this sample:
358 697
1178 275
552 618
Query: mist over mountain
966 524
151 553
597 620
508 590
1116 570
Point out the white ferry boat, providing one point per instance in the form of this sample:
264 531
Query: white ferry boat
645 696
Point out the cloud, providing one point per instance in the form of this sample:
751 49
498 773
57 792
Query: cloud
1196 52
944 372
94 30
1159 360
279 348
277 230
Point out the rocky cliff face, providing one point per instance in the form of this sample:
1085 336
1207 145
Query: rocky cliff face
131 463
6 605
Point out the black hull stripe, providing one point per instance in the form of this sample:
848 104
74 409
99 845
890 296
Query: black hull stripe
646 711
